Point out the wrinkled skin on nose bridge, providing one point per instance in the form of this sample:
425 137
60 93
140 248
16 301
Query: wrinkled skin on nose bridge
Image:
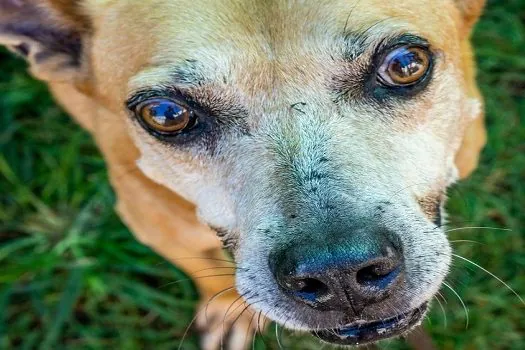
318 160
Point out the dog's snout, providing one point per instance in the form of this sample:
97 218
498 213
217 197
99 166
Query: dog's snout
336 277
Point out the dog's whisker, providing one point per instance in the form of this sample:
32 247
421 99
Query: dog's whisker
277 337
196 258
227 312
492 275
278 334
444 224
181 343
188 329
442 310
214 268
461 301
197 315
246 337
464 222
478 228
215 296
438 293
466 241
247 306
265 319
204 258
256 330
193 278
280 337
259 321
260 330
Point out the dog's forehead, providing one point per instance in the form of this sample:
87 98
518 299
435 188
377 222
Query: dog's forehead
251 40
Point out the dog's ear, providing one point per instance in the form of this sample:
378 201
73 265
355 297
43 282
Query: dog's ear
49 34
475 137
470 10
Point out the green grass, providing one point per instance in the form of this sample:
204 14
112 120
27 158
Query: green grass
72 276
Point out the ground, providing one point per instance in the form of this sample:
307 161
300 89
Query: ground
72 276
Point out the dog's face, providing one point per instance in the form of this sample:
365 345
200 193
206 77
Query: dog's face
317 137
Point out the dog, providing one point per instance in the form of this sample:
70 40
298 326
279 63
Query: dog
313 140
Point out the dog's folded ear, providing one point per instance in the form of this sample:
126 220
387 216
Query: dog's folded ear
49 34
475 135
471 10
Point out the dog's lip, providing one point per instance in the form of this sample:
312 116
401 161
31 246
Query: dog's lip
369 332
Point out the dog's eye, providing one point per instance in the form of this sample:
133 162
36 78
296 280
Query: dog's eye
405 66
165 116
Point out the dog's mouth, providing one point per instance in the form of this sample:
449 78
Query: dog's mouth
369 332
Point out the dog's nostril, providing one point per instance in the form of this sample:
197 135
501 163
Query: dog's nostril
370 273
377 275
311 285
305 285
308 290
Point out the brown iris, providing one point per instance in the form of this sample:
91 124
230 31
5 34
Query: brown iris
405 66
166 116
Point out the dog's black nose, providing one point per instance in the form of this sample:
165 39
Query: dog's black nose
335 276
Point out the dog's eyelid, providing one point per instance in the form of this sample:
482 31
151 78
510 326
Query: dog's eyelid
359 44
406 39
139 96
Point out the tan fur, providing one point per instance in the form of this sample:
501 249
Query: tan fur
430 205
475 135
134 44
